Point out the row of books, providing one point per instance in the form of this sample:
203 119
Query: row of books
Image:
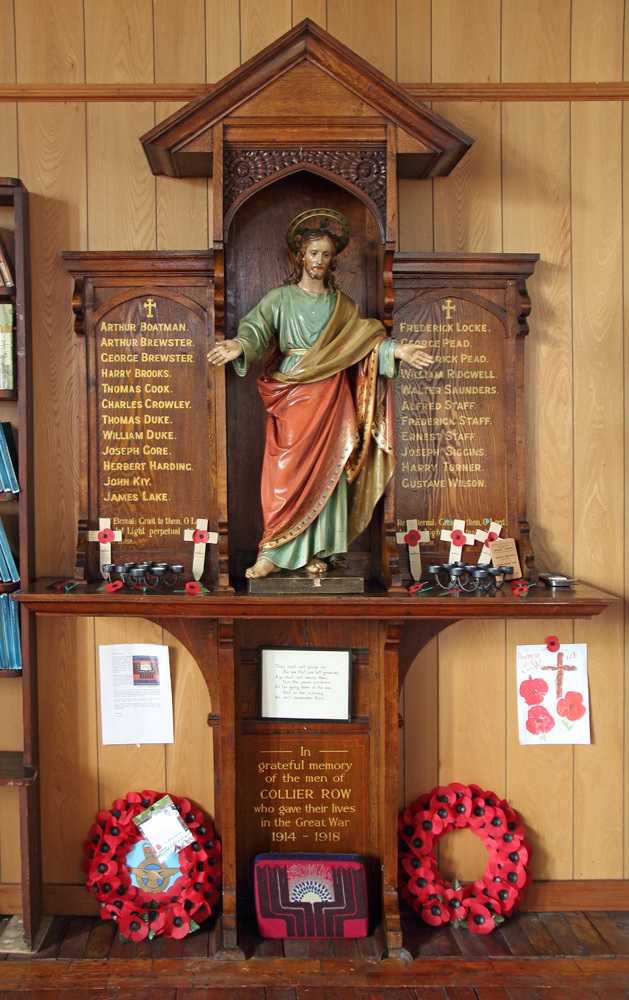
8 459
8 567
10 647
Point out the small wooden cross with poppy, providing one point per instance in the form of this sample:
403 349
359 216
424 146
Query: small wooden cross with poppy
104 536
201 538
413 538
457 537
485 537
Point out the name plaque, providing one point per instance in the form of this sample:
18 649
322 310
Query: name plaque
149 422
303 793
459 443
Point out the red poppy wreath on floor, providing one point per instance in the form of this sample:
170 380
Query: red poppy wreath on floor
483 904
146 896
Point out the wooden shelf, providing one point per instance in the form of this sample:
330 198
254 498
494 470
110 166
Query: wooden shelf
376 604
13 770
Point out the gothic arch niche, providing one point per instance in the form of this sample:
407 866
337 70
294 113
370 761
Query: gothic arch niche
256 260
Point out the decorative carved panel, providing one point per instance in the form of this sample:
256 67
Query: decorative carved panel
363 169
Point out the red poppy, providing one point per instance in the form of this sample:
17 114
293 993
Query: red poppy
552 644
200 537
102 868
514 826
519 589
481 814
109 911
505 894
177 922
106 536
422 879
412 537
534 690
108 888
435 913
571 706
462 810
509 872
491 537
205 908
428 823
539 720
453 899
442 794
192 587
515 854
133 926
457 538
414 866
479 918
111 588
444 811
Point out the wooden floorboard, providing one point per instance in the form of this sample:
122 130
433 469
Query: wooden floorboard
546 956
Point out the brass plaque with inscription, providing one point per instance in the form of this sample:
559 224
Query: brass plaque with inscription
459 439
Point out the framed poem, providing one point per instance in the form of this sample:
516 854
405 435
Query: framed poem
305 684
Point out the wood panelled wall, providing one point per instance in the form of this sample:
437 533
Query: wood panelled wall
544 176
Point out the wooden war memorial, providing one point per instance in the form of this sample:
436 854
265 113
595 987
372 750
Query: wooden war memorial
272 149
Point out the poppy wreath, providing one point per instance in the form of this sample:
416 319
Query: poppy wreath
480 905
144 896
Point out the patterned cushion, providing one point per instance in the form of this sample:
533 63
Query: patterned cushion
311 895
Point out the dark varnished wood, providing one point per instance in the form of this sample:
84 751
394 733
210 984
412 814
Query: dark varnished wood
489 92
83 958
376 604
182 145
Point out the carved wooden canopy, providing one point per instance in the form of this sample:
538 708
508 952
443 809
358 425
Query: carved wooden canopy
306 102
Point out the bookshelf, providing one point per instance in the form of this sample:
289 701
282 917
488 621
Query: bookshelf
19 768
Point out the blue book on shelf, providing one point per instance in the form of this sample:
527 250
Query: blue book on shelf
13 573
8 452
5 575
5 485
4 652
5 628
14 642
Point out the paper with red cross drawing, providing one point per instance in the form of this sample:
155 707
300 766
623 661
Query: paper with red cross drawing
552 693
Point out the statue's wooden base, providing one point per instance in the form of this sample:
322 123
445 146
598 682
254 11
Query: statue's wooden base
337 581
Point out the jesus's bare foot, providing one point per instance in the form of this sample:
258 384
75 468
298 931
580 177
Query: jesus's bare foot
263 567
317 567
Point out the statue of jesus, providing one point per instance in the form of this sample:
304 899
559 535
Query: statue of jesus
329 438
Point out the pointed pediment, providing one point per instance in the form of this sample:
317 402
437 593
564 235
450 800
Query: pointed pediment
306 87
